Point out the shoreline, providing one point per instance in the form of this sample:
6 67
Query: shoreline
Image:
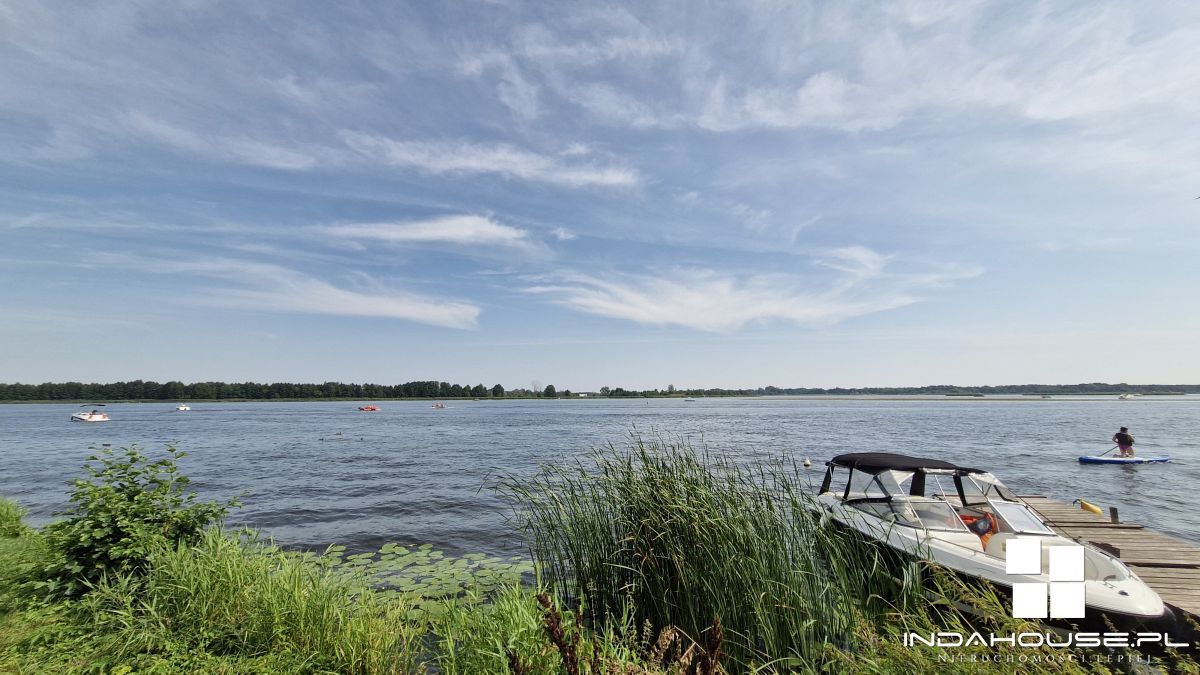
781 397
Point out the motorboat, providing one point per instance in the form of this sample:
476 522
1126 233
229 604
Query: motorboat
183 407
368 408
689 399
438 406
1128 397
965 519
93 415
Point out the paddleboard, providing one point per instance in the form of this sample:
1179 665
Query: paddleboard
1091 459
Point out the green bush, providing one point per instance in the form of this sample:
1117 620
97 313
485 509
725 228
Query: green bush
129 507
11 518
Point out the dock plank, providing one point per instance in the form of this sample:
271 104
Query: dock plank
1169 565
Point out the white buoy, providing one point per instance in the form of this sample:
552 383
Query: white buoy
807 463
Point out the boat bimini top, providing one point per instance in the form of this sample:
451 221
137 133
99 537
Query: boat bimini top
928 493
872 475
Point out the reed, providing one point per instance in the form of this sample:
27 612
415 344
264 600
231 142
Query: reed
686 539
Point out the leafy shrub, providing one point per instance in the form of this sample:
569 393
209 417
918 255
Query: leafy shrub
11 515
128 508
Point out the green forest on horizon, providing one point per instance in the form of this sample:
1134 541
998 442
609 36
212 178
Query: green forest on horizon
149 390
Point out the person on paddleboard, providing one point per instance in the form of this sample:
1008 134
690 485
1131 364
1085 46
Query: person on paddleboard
1124 441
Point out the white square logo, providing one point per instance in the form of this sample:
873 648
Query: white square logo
1024 555
1064 595
1066 563
1029 601
1066 600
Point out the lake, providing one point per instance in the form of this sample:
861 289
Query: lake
317 473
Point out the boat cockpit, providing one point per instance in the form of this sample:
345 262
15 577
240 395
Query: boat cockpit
950 503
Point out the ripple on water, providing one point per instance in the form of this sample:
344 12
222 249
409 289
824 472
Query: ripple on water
319 473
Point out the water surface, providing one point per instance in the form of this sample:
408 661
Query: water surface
315 473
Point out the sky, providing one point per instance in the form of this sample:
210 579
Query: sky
797 194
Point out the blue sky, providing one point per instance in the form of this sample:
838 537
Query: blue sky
589 194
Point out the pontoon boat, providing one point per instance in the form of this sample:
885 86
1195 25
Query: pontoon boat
964 519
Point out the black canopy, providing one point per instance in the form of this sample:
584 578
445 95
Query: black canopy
874 462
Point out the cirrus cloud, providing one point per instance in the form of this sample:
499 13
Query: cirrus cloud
724 302
503 159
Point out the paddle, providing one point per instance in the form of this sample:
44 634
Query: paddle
1109 450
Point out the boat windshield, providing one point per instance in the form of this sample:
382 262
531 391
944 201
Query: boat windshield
1019 518
983 487
928 514
880 484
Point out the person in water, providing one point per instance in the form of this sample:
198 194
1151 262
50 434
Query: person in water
1124 441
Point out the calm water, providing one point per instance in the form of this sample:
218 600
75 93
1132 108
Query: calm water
319 473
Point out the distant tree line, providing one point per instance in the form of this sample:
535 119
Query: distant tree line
937 389
139 390
149 390
1030 389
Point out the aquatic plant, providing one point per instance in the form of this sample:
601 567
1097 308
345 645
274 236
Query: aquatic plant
424 576
686 538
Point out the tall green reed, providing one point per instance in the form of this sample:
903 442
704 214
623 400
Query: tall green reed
684 537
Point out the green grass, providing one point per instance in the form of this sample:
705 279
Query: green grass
234 604
227 596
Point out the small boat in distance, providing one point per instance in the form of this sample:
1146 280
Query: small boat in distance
1127 397
368 408
92 416
438 406
689 399
183 407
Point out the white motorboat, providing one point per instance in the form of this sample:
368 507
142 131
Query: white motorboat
183 407
903 502
90 416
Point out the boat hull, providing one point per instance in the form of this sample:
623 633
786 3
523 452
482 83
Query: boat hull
1123 609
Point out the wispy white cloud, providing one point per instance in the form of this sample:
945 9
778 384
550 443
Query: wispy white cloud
238 149
703 300
514 89
714 301
464 157
273 288
858 262
466 230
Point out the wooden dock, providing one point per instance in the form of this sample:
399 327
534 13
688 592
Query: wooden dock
1170 566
